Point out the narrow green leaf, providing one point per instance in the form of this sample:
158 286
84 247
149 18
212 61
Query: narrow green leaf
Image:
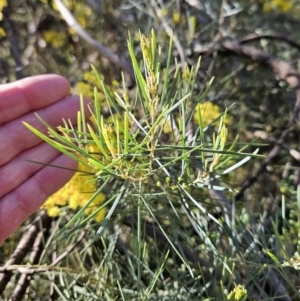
98 142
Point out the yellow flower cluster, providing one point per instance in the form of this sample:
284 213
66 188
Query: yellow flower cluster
54 38
209 113
281 5
177 18
2 32
86 87
207 110
3 3
76 193
82 14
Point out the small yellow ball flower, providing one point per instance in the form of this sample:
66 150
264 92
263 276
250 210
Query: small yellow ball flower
53 211
209 112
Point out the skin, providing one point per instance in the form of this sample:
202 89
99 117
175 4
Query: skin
24 186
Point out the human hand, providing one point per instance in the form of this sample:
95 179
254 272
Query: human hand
24 186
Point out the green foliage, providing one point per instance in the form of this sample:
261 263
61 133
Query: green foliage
154 176
165 236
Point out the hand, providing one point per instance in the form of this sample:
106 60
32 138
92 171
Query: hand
24 185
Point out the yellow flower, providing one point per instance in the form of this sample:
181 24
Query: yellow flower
84 89
167 128
54 38
115 83
164 12
176 17
100 198
77 192
3 3
74 200
239 293
284 5
281 5
2 31
99 217
91 77
209 112
53 211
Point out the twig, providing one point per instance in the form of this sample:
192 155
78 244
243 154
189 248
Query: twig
263 135
25 279
25 269
254 37
273 153
69 250
278 66
28 271
275 284
168 30
221 15
287 73
290 76
23 247
72 22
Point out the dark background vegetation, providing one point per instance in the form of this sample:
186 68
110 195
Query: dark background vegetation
252 49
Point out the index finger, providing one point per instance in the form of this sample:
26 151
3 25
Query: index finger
23 96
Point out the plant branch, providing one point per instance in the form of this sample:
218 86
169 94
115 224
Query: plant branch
254 37
72 22
69 250
279 67
169 31
23 247
25 279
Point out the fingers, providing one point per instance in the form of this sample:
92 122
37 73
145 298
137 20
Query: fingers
24 186
16 138
29 94
16 206
18 170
